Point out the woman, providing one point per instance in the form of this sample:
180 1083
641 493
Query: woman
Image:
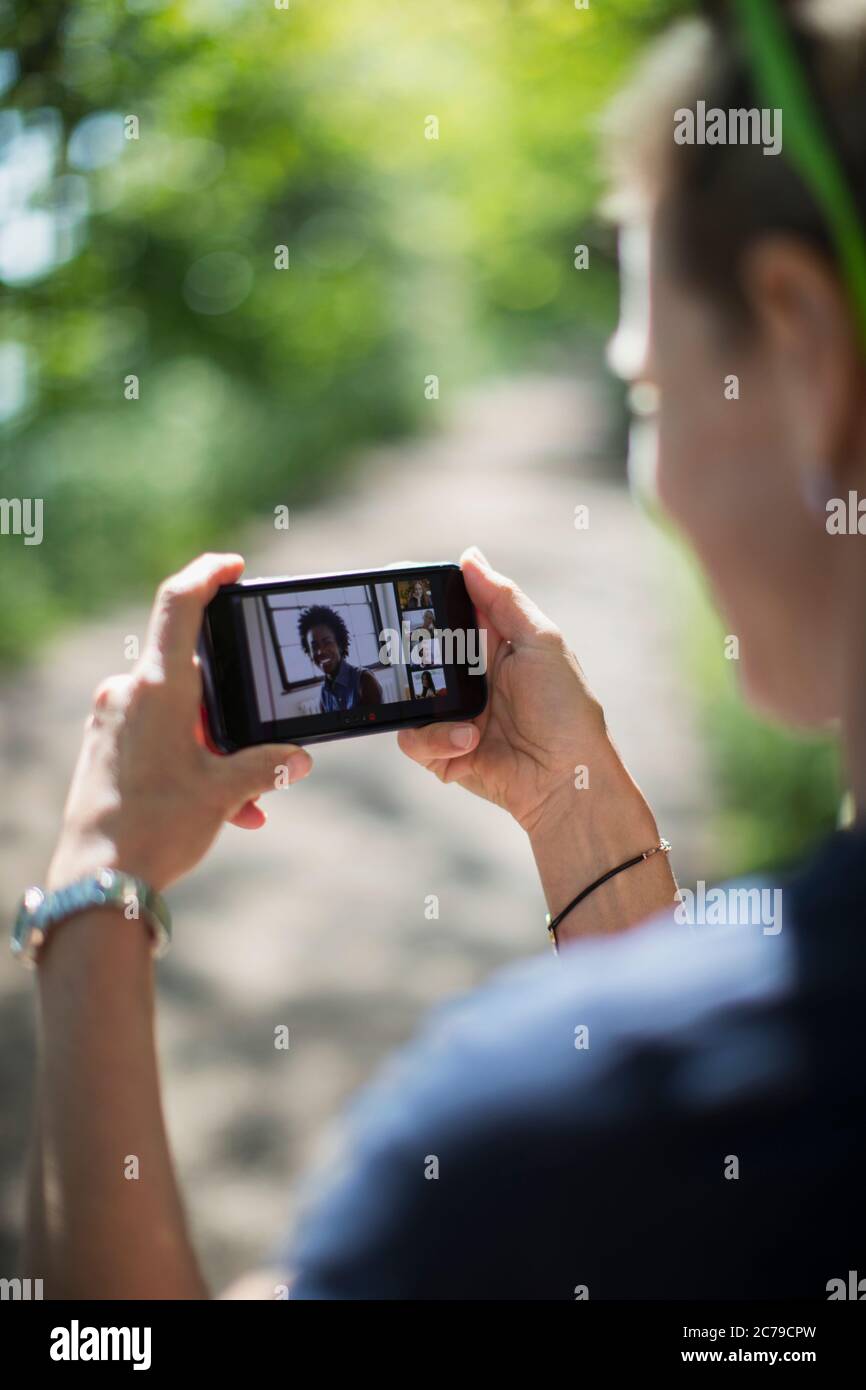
418 595
426 649
660 1113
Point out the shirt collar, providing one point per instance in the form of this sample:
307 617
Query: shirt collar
343 678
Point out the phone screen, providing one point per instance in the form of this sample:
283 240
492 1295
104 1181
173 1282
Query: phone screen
328 656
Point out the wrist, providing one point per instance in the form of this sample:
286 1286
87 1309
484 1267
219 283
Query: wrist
596 811
585 832
79 855
95 943
572 851
43 915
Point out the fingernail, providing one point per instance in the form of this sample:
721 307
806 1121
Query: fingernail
299 766
473 553
462 737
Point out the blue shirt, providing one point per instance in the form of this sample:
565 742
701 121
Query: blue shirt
610 1167
344 691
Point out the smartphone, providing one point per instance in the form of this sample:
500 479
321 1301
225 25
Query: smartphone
325 656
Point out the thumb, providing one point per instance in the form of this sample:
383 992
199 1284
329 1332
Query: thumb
253 771
514 615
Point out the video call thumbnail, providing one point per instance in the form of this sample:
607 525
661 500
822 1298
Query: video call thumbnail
414 594
428 685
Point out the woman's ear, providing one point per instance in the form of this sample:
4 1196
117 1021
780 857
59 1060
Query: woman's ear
809 334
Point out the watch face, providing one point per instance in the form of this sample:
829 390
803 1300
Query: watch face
33 898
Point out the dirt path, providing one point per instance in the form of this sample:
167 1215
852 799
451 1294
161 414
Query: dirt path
318 922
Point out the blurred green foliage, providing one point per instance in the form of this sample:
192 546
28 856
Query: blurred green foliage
155 257
260 127
777 792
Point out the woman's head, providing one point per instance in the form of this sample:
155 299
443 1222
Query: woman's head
754 355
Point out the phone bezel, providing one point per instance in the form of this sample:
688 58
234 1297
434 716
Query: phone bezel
225 722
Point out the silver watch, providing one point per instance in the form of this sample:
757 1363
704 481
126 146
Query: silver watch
39 912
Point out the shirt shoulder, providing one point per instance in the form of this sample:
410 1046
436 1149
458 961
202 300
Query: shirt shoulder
553 1045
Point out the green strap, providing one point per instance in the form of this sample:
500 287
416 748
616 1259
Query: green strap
782 83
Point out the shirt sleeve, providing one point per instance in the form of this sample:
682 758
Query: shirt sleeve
500 1157
408 1207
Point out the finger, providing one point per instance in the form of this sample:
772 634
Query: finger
253 771
249 817
514 615
491 640
436 741
109 697
180 603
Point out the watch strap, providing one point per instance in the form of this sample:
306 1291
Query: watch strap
41 913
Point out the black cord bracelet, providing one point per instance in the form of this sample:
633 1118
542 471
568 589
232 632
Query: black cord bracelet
663 847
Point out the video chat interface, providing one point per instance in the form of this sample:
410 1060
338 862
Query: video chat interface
353 648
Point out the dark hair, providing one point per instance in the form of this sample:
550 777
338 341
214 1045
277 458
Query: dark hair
715 200
321 616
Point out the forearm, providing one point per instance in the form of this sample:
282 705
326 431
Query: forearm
575 842
150 796
35 1253
105 1219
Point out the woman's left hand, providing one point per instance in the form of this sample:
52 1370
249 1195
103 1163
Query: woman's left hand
148 795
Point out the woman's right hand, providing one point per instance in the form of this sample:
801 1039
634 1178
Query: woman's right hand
542 723
541 750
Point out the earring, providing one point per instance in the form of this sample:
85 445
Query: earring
816 489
